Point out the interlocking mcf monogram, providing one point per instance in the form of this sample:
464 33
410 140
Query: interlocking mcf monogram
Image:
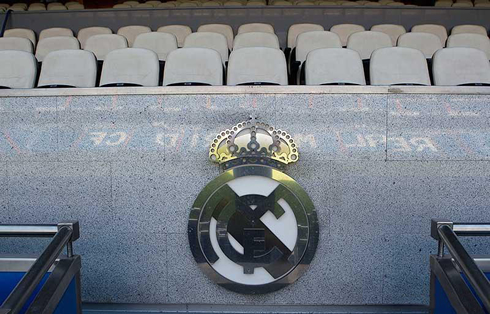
253 229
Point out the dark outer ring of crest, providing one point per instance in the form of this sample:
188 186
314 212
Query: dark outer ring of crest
294 188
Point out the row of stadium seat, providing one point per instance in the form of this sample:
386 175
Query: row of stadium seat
247 66
54 6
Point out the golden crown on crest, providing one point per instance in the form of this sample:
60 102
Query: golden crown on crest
253 142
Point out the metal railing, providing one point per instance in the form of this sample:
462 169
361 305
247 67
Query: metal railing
65 269
448 268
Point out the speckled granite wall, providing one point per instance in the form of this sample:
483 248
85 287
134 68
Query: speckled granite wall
377 167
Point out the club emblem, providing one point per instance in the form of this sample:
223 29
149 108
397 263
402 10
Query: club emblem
253 229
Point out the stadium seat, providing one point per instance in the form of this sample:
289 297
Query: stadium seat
101 45
257 66
481 42
310 41
47 45
18 69
166 5
443 4
398 66
68 68
296 29
131 3
193 66
435 29
211 4
392 30
208 40
143 6
255 27
469 29
16 43
130 67
154 3
180 31
160 43
462 5
87 32
223 29
36 8
188 4
334 66
368 41
23 33
256 39
232 4
131 32
54 4
460 66
345 30
427 43
55 32
121 6
57 8
281 3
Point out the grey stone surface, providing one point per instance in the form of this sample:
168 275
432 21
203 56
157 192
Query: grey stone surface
130 167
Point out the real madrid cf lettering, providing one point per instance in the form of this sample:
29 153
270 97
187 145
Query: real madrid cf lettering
253 229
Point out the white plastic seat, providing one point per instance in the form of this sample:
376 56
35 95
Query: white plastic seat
22 33
36 8
435 29
130 67
180 31
188 4
144 5
55 32
208 40
16 8
20 5
366 42
256 39
50 44
281 3
257 65
18 69
255 27
101 45
68 68
481 42
211 4
310 41
462 5
296 29
193 66
469 29
166 5
58 8
86 33
121 6
16 43
131 32
392 30
131 3
154 3
222 29
460 66
398 66
345 30
70 3
427 43
160 43
54 4
334 66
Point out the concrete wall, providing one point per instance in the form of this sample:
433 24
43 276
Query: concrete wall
377 167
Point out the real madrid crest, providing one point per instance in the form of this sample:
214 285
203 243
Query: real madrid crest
253 229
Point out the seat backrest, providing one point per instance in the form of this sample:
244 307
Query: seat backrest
257 65
427 43
435 29
131 3
310 41
399 66
334 66
211 4
180 31
74 68
193 65
19 69
296 29
222 29
47 45
36 8
368 41
345 30
481 42
392 30
459 66
130 66
213 41
87 32
121 6
160 43
469 29
131 32
57 8
256 39
23 33
16 43
55 32
144 5
255 27
101 45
